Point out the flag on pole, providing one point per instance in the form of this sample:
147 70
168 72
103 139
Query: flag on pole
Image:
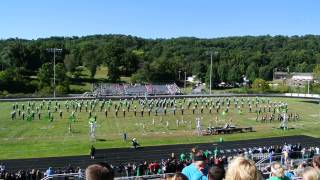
224 113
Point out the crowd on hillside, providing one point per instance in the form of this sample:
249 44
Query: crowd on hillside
202 163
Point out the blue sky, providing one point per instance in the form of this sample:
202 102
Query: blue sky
32 19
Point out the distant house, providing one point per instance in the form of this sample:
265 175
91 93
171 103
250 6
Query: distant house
294 78
279 75
300 78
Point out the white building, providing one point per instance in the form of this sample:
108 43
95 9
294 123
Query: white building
300 78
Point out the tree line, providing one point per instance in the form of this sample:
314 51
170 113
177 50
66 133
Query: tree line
27 63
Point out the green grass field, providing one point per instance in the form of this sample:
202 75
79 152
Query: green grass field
42 138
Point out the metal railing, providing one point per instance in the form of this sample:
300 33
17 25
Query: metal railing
81 176
75 176
154 176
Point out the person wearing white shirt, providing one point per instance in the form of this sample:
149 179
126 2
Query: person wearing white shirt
317 150
2 167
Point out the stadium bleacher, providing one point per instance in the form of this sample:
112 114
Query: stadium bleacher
105 89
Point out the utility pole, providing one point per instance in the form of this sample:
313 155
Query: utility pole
54 51
215 53
319 110
210 71
185 79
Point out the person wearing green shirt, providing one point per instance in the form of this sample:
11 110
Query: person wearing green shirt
215 152
182 157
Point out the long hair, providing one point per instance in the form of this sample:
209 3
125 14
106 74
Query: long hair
310 174
242 169
277 170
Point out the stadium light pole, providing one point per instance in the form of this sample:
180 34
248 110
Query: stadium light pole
319 109
211 54
54 51
273 75
210 71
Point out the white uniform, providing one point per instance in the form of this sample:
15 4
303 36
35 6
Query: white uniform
199 131
284 122
93 126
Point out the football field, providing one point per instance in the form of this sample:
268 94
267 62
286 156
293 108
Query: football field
27 135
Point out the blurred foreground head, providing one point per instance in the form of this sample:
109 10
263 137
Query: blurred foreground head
177 176
216 173
242 169
99 171
310 174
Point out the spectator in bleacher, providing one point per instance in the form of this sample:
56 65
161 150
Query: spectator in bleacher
32 174
153 167
242 169
69 169
218 161
59 171
216 173
2 167
300 169
197 170
285 154
80 172
49 172
9 176
290 172
99 171
139 169
277 172
310 174
38 175
128 169
317 149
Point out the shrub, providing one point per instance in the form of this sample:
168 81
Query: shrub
260 85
